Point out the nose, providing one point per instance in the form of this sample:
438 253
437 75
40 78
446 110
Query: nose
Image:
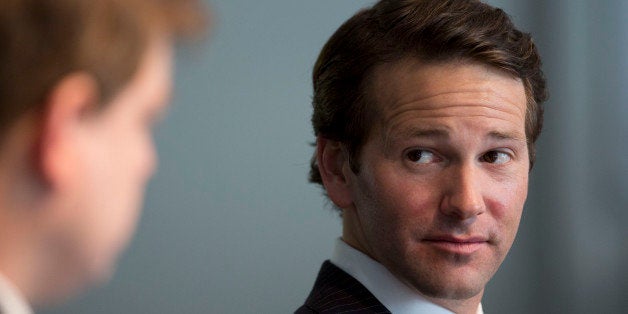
463 198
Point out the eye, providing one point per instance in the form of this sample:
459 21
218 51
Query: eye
421 156
496 157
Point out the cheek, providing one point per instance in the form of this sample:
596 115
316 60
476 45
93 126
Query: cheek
138 155
411 196
147 157
399 207
506 205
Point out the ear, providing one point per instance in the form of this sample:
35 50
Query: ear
333 165
62 125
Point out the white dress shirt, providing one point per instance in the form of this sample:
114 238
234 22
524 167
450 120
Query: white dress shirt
392 293
11 300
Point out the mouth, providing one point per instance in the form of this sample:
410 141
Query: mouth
455 245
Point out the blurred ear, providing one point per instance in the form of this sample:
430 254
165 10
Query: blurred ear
63 127
332 161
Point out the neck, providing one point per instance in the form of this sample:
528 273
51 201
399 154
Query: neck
17 261
467 306
28 259
21 250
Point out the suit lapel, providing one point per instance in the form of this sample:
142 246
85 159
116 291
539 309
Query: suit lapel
335 291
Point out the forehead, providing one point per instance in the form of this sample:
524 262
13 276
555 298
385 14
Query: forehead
447 93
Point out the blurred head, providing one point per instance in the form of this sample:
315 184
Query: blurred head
81 85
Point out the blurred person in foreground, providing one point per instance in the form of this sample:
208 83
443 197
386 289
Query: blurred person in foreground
426 113
81 84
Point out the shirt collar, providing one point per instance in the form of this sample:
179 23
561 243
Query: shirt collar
11 300
392 293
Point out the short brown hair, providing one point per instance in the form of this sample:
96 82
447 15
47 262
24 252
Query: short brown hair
431 30
41 41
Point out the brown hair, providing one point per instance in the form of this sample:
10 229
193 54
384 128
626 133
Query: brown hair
431 30
41 41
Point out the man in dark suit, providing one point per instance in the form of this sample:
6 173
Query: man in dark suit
81 84
426 113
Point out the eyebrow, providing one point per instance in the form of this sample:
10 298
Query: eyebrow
443 133
432 132
505 136
438 133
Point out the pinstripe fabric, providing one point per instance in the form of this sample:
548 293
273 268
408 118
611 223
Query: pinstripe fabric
337 292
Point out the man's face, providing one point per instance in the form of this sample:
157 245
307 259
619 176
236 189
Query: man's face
117 158
443 175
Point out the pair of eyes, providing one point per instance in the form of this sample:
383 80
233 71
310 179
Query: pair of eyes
422 156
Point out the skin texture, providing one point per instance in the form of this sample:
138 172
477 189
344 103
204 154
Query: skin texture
442 180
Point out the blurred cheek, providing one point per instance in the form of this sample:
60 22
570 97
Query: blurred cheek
151 158
145 159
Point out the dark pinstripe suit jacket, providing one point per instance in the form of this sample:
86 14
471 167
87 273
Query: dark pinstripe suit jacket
337 292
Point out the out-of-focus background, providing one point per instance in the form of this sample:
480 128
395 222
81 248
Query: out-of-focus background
231 225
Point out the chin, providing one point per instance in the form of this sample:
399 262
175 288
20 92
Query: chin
453 292
458 288
88 272
436 281
64 287
101 269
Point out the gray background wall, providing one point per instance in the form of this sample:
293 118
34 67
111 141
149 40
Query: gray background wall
231 225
